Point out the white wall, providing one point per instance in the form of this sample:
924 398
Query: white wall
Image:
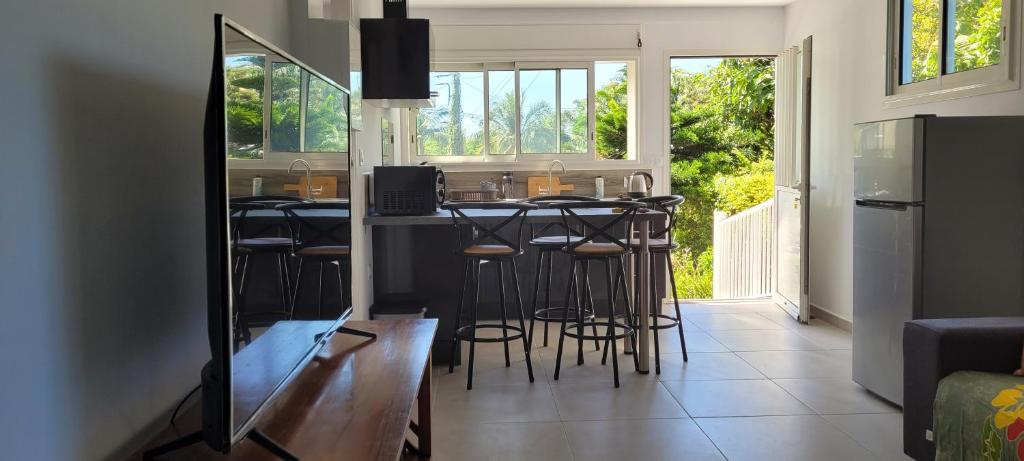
102 237
849 87
665 31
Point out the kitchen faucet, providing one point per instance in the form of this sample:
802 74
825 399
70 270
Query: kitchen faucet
309 175
550 169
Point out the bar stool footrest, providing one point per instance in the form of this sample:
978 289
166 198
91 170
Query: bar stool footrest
466 333
627 331
544 315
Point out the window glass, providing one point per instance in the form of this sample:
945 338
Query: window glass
922 23
502 111
973 34
611 93
573 111
285 88
244 105
537 122
326 117
455 125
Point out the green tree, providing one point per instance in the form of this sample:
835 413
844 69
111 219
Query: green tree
244 106
612 114
722 145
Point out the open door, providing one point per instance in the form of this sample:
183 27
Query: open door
792 179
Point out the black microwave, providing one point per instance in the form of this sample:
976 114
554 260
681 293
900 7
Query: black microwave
407 190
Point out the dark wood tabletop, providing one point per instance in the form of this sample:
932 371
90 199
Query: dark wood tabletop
353 401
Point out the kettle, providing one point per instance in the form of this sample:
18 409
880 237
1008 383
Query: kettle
640 184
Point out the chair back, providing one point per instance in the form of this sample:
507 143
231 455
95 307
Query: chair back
554 228
313 224
666 204
486 233
575 214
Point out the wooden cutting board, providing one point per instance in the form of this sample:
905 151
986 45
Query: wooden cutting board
534 184
328 185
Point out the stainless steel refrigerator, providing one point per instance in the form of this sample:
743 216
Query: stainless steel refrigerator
938 232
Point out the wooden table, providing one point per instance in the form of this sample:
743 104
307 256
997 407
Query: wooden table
354 401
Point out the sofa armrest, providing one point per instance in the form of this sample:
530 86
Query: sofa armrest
935 348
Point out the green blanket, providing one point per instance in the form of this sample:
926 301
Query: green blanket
979 416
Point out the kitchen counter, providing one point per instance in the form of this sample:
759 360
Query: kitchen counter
444 217
414 262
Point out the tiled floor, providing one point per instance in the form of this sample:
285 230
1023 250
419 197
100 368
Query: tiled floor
758 386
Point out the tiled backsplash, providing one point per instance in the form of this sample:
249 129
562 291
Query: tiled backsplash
583 180
240 181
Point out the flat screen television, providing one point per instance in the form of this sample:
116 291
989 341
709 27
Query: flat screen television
264 105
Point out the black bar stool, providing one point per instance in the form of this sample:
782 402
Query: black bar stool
549 239
249 238
661 243
486 245
320 234
601 246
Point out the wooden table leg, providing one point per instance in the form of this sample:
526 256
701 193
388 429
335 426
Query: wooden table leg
424 412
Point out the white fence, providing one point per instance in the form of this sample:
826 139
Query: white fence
744 253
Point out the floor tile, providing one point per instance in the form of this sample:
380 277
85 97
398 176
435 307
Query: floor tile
735 398
835 396
801 364
600 400
648 440
706 366
492 404
763 340
788 438
489 368
696 341
504 441
882 434
737 321
591 370
826 335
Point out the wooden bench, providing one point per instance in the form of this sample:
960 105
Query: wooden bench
354 401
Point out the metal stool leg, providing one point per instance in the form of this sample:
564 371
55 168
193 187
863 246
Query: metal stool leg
298 286
522 323
320 294
536 295
565 318
547 298
655 311
579 313
592 312
675 300
458 315
504 315
473 318
611 320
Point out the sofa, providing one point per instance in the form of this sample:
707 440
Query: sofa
935 348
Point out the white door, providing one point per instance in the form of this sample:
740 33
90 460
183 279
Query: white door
792 173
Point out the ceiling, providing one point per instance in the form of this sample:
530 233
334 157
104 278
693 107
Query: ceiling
587 3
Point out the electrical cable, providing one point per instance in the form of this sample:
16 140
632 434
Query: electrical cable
178 408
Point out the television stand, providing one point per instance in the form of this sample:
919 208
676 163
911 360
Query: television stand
255 435
348 331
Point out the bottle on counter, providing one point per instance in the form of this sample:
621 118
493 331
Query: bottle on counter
508 186
257 186
599 187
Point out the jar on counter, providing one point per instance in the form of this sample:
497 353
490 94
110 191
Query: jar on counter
599 187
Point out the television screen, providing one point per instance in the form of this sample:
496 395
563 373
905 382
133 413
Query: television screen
277 167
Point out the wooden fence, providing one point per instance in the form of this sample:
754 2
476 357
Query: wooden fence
744 253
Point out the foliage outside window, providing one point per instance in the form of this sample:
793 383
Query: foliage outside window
940 38
306 113
722 115
530 109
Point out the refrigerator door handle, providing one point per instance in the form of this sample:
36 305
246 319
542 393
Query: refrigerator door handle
884 205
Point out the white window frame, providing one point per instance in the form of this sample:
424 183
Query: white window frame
518 159
281 160
1004 76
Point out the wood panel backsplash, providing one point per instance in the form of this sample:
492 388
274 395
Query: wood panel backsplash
240 181
582 179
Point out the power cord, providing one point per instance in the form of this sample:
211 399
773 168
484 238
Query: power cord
178 408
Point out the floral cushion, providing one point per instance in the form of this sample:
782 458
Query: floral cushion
980 416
